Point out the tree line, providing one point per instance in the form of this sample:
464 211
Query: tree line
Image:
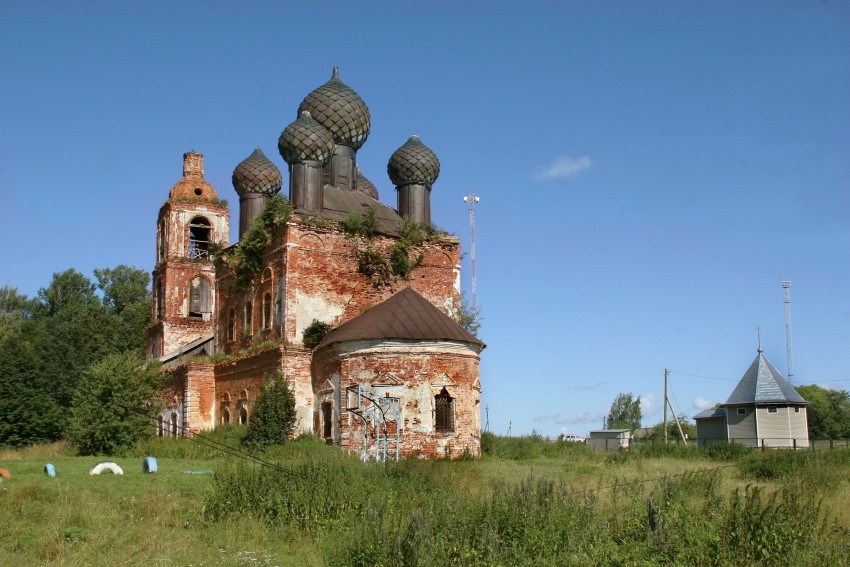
72 362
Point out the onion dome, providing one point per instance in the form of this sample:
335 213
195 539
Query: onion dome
305 140
365 186
338 108
256 174
413 163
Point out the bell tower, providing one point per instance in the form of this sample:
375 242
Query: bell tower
191 225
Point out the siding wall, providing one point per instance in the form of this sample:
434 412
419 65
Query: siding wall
742 428
780 429
710 431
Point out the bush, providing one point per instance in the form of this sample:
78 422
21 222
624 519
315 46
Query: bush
273 418
315 333
115 405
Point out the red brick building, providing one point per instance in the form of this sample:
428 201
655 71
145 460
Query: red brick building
397 375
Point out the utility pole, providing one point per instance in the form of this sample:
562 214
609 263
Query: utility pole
665 405
472 198
487 425
786 289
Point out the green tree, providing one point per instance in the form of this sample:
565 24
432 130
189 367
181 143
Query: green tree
828 412
28 410
656 432
273 415
315 333
115 404
625 412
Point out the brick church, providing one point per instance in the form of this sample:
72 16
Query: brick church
396 375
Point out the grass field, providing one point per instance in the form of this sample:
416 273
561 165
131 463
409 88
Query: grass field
527 501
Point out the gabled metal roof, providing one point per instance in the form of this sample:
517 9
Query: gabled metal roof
711 413
406 315
763 384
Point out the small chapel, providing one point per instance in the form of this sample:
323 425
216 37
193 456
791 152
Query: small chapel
393 373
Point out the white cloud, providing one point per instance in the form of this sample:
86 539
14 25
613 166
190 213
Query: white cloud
701 403
564 166
648 405
583 417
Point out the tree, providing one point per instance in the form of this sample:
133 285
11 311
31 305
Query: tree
273 417
115 404
828 412
625 412
315 333
656 432
123 286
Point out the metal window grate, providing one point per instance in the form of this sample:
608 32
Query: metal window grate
444 421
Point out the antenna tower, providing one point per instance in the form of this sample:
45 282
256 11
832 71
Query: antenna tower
472 198
786 289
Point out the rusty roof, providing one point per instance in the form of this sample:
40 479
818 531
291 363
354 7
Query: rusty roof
405 315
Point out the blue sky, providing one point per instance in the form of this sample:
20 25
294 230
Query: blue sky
649 172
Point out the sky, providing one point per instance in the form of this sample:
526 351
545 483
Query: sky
649 172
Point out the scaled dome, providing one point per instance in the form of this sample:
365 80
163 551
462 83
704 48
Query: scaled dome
365 186
414 162
256 174
305 140
338 108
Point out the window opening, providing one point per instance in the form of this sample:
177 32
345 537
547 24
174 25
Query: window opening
444 415
796 410
248 313
243 416
267 311
742 411
199 238
327 423
159 300
161 241
174 424
772 410
199 298
225 417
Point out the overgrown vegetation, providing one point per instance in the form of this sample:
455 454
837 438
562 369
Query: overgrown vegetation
528 501
205 200
273 415
114 404
385 265
49 343
315 333
246 260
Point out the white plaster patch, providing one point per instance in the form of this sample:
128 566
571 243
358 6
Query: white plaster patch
308 307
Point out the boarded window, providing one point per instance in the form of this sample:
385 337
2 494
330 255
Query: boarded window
267 311
199 298
231 325
444 412
200 232
249 311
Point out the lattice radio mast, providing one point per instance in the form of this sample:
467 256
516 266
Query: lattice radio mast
786 289
472 198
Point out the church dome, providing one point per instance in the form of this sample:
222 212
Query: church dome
305 140
338 108
414 162
365 186
256 174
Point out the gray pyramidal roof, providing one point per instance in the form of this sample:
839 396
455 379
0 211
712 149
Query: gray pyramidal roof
405 315
763 384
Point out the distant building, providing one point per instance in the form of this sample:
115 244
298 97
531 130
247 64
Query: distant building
610 439
763 410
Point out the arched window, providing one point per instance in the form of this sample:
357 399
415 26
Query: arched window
225 417
327 421
444 412
267 311
200 233
174 424
243 416
231 324
249 309
160 300
199 298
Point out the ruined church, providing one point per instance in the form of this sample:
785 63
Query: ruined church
396 375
